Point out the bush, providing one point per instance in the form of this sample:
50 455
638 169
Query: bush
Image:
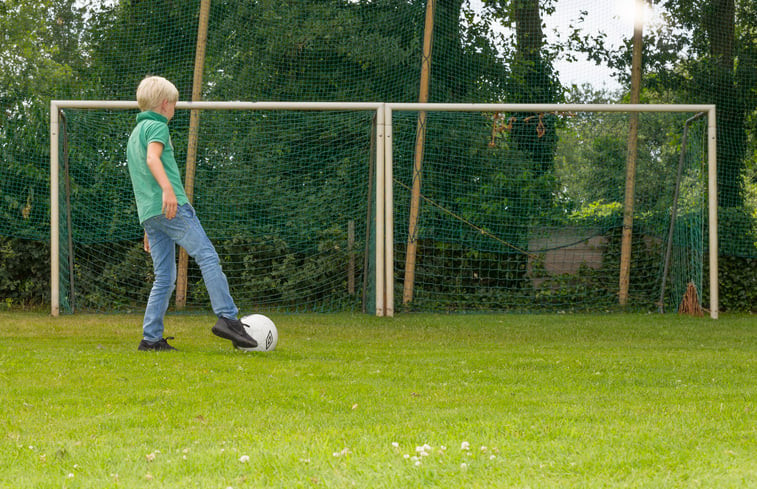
737 277
25 272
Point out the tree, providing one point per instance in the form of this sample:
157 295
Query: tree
705 52
532 80
38 60
717 78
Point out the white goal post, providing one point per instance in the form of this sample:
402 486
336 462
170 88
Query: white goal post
57 105
384 219
556 108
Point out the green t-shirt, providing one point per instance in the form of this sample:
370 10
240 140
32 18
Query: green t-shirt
151 127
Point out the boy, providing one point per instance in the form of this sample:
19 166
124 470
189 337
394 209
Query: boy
169 219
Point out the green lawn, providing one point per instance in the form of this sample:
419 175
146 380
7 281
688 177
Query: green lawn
538 401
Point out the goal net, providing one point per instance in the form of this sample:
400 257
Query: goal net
382 207
283 191
518 209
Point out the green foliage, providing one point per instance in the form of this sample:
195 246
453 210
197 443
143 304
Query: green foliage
738 284
483 281
25 272
121 283
598 213
271 274
737 274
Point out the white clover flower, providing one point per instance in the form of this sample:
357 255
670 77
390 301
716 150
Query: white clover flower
406 456
150 457
417 463
492 457
465 446
395 444
463 466
70 475
244 459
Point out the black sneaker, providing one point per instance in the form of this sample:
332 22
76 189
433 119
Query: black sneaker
160 345
232 329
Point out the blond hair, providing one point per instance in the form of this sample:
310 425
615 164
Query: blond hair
153 90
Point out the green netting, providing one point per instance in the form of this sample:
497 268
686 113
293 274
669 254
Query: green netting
285 196
531 51
498 229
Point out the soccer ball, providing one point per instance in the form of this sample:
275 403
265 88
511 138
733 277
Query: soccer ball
262 330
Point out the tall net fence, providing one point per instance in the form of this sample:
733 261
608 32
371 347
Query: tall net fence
534 51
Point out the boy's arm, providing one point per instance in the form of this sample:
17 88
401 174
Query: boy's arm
170 204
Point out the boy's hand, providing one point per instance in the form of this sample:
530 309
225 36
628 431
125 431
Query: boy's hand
146 243
170 204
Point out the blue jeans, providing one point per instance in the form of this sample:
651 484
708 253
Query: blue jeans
186 231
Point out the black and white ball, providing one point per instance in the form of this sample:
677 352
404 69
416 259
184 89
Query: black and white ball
262 330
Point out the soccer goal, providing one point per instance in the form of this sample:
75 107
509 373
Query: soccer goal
286 191
517 207
447 207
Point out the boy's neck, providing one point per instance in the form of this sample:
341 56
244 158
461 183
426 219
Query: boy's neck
166 109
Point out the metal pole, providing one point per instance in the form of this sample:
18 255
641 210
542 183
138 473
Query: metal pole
389 214
380 209
712 192
54 214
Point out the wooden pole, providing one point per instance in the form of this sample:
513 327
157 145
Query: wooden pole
633 132
194 125
420 139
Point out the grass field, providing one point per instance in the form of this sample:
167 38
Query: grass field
527 401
